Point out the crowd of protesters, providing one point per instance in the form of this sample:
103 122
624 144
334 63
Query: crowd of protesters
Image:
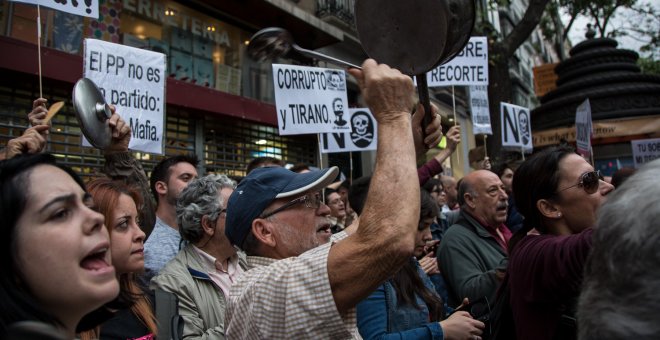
404 253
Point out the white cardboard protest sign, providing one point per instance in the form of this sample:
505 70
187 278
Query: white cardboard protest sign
469 67
583 128
479 109
310 99
86 8
516 127
363 135
645 151
133 80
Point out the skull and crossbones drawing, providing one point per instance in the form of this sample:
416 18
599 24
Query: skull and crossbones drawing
362 134
524 126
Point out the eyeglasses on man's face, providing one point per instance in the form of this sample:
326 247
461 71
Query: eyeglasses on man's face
312 201
589 182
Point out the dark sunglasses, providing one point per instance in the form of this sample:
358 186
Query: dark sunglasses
589 181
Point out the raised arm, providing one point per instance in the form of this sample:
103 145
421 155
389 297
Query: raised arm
32 141
121 165
434 165
384 239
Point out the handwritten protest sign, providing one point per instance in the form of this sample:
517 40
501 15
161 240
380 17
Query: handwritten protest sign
583 128
479 109
645 151
133 80
310 99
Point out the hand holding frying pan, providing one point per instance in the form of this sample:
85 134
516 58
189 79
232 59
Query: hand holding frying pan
413 36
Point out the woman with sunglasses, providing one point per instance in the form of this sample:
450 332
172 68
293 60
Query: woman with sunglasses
407 306
558 193
119 205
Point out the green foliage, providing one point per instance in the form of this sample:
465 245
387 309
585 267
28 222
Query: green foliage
638 21
643 25
649 66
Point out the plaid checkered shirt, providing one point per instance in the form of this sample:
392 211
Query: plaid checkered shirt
288 299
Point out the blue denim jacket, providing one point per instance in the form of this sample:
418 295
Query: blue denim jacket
379 316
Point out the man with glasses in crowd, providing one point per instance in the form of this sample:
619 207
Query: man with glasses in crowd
299 284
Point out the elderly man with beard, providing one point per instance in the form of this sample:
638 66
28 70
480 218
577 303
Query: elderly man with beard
474 250
300 284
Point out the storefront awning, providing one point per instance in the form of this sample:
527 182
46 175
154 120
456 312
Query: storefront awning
602 129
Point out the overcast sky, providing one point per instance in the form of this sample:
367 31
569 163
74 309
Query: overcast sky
579 28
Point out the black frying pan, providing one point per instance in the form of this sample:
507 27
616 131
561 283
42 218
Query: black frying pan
414 36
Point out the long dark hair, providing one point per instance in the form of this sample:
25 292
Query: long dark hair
431 184
18 303
407 282
537 178
106 193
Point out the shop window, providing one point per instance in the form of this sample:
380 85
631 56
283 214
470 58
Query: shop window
229 145
201 49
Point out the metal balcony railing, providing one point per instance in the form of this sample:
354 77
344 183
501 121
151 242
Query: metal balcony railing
340 9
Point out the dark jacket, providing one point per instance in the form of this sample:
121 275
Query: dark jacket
468 258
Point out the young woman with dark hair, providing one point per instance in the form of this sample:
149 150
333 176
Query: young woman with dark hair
558 193
118 203
54 249
407 306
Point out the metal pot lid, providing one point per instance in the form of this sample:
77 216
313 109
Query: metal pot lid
408 35
92 112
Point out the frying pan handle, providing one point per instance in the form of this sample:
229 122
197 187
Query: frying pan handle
423 90
321 56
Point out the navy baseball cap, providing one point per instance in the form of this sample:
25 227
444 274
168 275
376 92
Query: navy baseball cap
261 187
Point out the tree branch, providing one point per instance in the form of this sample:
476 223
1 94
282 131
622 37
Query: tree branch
594 15
568 27
523 29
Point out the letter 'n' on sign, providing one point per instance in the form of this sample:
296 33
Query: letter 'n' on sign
509 123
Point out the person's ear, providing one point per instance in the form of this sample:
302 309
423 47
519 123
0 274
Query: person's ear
208 226
470 200
161 188
548 209
262 229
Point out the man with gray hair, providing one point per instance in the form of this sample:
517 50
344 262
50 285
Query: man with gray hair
620 297
201 273
473 252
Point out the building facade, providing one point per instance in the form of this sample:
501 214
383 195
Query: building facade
219 104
